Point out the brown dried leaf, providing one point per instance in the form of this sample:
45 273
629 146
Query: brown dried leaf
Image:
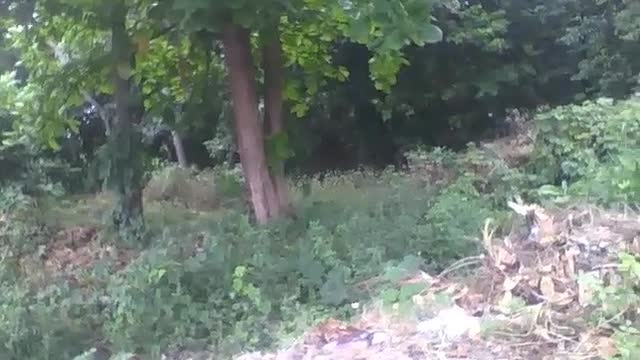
504 257
562 299
547 288
547 269
543 333
510 283
546 226
570 262
606 347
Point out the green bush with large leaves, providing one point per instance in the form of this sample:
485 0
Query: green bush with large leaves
572 140
589 151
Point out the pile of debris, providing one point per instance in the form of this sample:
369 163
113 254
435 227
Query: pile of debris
525 299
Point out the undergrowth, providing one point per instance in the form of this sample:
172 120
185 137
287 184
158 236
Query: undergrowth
211 279
215 280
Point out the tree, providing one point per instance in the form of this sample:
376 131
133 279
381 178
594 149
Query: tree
248 130
385 26
124 143
70 62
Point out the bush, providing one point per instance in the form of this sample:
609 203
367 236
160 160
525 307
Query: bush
21 226
494 179
55 323
614 303
575 139
614 182
589 151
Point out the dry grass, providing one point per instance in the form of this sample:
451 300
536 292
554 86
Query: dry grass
184 187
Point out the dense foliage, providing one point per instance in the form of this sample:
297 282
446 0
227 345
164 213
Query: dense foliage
221 115
490 59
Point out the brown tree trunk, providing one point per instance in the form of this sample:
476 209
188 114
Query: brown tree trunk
249 133
179 147
126 166
273 110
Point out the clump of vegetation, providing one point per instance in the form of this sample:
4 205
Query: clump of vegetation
573 140
589 151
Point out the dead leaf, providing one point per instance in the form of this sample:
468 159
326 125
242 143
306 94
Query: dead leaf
547 269
462 293
634 247
510 283
543 333
570 262
533 280
545 225
562 299
606 347
504 257
547 288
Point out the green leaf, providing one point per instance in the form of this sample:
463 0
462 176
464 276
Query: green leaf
432 34
407 267
411 263
53 144
409 290
394 41
359 31
390 296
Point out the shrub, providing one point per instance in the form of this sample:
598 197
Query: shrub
614 182
21 227
53 323
614 303
574 139
491 175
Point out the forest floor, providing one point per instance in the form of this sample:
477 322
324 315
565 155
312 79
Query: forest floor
528 296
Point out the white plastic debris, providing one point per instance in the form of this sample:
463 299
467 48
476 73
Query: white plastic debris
450 324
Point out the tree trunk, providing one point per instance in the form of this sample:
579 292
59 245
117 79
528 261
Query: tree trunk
249 133
125 157
273 110
178 146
